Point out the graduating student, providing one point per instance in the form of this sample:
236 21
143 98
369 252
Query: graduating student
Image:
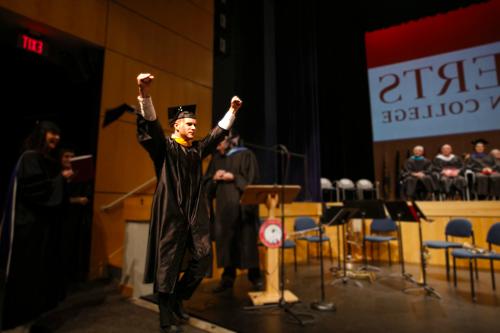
417 170
236 225
30 231
448 169
482 165
179 217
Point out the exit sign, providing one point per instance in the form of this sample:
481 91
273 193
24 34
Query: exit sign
32 44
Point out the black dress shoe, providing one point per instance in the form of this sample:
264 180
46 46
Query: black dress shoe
178 309
171 329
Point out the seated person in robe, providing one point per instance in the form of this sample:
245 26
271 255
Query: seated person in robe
495 174
417 172
481 164
448 172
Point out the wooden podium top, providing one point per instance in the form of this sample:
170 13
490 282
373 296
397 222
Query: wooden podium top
256 194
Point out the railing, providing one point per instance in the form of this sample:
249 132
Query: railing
126 195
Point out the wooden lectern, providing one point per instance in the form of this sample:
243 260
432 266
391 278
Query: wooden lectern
270 196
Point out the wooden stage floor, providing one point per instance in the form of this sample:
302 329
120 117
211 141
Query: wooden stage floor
380 306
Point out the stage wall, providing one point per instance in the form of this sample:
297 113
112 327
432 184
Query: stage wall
171 39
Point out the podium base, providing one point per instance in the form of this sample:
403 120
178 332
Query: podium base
269 297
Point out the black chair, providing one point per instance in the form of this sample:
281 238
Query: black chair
305 223
454 228
327 189
346 189
379 226
493 238
365 187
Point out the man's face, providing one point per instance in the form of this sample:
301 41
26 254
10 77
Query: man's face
479 148
446 150
52 139
186 128
418 151
496 153
66 159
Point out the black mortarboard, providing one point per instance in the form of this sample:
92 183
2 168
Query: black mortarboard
114 113
483 141
181 111
48 126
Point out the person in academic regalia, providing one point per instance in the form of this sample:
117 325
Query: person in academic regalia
448 170
482 165
495 175
417 171
236 226
179 216
76 225
30 231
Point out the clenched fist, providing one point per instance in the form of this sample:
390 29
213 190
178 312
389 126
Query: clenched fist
144 83
236 103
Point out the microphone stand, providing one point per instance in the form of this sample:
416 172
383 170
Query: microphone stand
322 305
285 163
285 159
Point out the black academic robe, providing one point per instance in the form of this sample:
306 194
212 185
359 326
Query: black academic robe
76 229
410 182
235 224
446 184
179 214
496 165
495 179
476 163
31 276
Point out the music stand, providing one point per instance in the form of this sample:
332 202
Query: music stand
332 216
274 293
400 211
371 209
344 215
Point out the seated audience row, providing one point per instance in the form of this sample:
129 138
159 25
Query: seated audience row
448 174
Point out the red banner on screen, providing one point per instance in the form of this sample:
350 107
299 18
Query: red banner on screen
463 28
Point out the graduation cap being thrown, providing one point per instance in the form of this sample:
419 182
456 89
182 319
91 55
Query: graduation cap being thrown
181 111
114 114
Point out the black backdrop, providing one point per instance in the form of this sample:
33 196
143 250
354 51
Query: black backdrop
300 68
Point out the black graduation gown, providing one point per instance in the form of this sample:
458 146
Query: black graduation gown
410 182
235 224
179 214
446 184
34 281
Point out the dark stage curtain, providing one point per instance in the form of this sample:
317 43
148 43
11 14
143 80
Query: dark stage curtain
297 91
271 62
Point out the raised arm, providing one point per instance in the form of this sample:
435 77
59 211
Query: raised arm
149 131
216 135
